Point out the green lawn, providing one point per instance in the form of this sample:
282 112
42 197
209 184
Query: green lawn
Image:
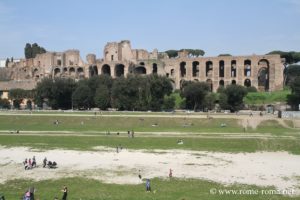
256 98
220 144
139 124
175 189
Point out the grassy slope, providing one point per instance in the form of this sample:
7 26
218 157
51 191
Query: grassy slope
254 98
175 189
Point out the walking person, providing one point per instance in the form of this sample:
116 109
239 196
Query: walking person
33 162
140 176
148 186
31 191
170 173
44 162
65 192
29 164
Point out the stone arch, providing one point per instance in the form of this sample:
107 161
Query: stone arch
233 82
233 68
56 72
65 70
35 73
209 68
80 72
195 70
247 68
210 83
221 83
221 68
140 70
72 71
172 72
154 68
29 104
263 75
119 70
93 70
182 69
247 83
106 70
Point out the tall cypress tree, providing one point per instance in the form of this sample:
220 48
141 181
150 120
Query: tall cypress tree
28 51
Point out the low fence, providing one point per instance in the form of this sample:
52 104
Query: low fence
289 114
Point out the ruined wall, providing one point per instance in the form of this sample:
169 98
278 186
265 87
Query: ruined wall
264 72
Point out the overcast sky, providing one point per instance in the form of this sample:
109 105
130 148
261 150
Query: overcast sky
238 27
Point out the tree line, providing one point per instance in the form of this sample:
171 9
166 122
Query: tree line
130 93
139 93
31 51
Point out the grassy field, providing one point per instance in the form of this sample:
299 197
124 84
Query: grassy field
218 144
138 124
175 189
87 132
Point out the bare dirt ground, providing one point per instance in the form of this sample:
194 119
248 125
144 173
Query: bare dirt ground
278 169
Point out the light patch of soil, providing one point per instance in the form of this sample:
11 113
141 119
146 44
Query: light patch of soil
277 169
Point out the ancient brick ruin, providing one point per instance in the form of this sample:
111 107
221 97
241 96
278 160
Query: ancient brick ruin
265 72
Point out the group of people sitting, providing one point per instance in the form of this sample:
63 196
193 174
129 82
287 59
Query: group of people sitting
49 163
29 164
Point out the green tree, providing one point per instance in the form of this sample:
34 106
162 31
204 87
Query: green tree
55 93
195 93
102 97
292 71
124 94
223 101
290 57
172 53
96 81
225 54
4 104
234 95
6 62
210 101
32 50
169 102
43 92
159 87
81 97
17 96
251 89
28 51
194 52
294 98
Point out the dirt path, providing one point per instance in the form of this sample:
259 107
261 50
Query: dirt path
148 134
278 169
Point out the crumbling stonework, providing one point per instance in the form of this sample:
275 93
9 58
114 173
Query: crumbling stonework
265 72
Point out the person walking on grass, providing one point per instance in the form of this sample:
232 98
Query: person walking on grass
148 186
170 173
65 192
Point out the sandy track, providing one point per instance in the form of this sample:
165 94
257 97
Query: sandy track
278 169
